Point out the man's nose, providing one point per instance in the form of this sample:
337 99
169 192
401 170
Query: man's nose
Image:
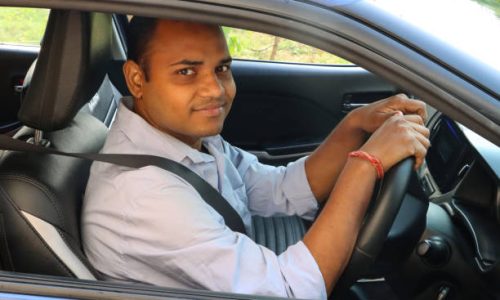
211 86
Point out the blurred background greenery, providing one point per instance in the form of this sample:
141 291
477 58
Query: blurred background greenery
245 44
23 26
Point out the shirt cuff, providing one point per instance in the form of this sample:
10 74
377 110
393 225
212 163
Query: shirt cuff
302 274
298 191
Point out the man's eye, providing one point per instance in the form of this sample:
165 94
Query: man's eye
186 72
223 68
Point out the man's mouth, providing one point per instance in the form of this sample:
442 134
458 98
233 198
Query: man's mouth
211 109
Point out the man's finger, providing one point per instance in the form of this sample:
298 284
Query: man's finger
420 152
413 106
414 119
409 106
420 129
423 140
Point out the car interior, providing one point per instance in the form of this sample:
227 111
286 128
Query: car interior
443 240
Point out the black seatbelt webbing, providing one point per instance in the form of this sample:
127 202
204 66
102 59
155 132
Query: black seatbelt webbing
206 191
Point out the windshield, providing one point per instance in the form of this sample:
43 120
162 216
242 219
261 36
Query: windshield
473 26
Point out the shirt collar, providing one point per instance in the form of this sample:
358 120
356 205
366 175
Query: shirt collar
152 141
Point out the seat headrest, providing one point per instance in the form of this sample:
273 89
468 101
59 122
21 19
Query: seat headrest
72 63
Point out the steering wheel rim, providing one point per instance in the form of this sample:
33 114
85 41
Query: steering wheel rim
377 224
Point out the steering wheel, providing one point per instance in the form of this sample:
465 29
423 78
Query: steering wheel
376 225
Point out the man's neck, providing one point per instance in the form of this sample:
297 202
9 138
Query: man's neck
190 141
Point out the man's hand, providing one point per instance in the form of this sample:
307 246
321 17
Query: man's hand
324 165
372 116
399 137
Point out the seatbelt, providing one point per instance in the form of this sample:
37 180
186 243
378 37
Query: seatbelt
206 191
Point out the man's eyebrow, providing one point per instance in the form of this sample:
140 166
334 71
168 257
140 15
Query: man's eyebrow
226 60
188 62
197 62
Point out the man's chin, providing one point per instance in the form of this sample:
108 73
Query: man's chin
211 131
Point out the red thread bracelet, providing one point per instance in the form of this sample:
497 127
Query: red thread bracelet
372 159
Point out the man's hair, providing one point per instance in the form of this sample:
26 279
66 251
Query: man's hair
139 33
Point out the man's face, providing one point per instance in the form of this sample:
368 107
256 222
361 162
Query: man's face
190 87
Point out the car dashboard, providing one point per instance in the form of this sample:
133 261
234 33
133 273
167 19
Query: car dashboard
462 165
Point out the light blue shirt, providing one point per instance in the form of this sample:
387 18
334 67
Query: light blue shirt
149 225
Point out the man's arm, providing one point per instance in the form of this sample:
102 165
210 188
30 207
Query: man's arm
332 236
324 165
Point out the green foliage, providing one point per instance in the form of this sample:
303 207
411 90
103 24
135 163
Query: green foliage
22 26
244 44
233 43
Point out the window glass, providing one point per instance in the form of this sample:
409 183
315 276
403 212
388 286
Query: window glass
22 26
245 44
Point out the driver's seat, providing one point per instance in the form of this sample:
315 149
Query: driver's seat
40 195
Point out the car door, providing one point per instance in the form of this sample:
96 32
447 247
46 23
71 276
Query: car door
20 37
283 110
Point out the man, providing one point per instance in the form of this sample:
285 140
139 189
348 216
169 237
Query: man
148 225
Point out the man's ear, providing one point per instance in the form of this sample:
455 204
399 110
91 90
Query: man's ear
134 77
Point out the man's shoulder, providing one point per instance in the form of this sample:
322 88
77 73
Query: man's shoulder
108 180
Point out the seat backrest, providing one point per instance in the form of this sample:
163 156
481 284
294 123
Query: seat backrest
40 195
40 202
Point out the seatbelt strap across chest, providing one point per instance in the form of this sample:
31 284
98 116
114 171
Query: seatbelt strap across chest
206 191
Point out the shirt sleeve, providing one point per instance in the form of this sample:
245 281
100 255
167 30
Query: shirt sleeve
169 236
274 190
